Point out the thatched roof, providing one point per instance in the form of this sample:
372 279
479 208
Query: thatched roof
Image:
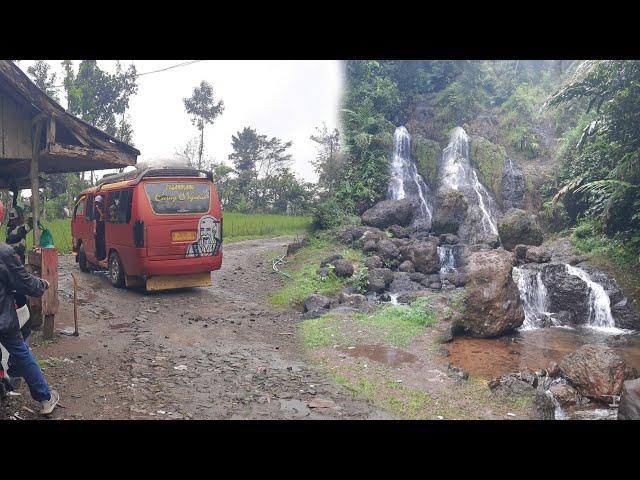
68 144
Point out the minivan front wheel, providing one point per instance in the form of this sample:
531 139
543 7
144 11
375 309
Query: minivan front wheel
116 272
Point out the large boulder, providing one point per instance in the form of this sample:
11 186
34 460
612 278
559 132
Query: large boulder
450 212
402 283
389 212
536 255
597 372
423 256
316 305
491 302
519 227
342 268
387 249
379 279
629 408
567 295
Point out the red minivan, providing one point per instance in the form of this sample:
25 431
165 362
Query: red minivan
158 227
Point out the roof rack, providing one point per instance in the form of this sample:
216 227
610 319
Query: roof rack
152 172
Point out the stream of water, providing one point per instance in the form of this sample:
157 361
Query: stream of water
458 174
406 182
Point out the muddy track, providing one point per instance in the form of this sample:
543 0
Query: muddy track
210 353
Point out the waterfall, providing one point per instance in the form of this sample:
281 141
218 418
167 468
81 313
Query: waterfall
599 302
405 181
447 259
458 174
533 295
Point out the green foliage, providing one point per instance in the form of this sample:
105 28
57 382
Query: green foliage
489 160
402 322
203 109
554 217
305 280
39 73
426 153
328 214
98 97
601 174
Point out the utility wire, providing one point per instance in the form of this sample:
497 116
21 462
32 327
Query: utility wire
184 64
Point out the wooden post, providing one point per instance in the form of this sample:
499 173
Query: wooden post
35 184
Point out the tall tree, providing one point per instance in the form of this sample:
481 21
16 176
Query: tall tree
39 72
248 148
203 110
99 98
329 163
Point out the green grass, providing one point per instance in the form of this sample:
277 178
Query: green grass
237 226
401 322
395 325
245 226
304 280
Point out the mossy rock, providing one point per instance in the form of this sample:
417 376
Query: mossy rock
426 153
488 159
450 212
519 227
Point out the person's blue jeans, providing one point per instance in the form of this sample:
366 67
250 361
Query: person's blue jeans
22 363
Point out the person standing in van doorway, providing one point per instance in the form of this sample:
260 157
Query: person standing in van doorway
99 232
15 280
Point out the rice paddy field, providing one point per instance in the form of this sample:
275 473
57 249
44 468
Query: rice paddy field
237 226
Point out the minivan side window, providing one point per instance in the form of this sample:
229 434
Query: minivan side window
119 206
89 209
79 210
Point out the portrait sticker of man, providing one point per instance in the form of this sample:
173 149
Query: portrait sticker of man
207 241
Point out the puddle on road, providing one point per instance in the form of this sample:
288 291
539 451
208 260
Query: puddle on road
390 356
533 349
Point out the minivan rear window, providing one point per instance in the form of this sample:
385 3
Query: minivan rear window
171 198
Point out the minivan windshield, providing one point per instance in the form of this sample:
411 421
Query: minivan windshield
171 198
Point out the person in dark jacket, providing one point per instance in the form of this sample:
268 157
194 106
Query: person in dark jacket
17 230
15 280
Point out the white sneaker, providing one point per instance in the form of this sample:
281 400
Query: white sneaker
49 405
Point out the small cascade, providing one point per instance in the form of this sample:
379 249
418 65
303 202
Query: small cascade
458 174
599 302
405 180
533 295
447 259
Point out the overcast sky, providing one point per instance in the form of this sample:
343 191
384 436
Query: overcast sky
285 99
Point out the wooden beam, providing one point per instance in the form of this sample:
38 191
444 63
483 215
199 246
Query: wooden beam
108 158
51 130
35 184
39 118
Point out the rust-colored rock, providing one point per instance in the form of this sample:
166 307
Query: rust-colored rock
491 304
597 372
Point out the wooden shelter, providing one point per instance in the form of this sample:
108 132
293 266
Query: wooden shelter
38 136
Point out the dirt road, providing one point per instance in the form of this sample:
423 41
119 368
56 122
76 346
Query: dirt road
210 353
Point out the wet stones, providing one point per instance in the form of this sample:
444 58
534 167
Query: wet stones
343 268
519 227
537 255
316 305
423 256
491 302
629 408
389 212
406 266
596 372
379 279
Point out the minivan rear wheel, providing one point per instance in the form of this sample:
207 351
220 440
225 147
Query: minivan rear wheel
82 259
116 272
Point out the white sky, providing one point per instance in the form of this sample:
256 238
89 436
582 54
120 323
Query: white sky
285 99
